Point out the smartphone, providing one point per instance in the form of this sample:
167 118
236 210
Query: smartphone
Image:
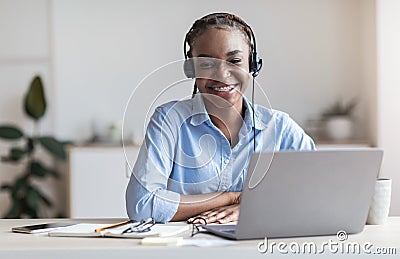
40 228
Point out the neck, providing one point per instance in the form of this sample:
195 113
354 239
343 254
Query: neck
228 119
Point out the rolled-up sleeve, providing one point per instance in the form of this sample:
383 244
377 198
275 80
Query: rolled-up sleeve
146 193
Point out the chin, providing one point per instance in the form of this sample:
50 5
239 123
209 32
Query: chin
224 100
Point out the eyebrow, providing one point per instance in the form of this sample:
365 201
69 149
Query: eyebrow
230 53
233 52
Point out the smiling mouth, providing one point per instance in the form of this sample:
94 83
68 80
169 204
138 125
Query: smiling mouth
222 88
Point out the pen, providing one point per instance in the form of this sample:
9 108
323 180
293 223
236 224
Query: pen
143 226
113 225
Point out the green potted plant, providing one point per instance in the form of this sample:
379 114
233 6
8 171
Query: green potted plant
26 197
339 122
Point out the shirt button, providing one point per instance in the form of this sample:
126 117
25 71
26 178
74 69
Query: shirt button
226 161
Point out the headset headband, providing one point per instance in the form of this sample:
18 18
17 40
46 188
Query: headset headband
255 63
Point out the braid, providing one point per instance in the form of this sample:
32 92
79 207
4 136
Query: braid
217 20
194 90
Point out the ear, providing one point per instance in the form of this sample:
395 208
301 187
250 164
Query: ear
188 68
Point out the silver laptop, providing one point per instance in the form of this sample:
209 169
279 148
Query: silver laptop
305 193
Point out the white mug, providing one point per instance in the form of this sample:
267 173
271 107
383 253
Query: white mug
380 204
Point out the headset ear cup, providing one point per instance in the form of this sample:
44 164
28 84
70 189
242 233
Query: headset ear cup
251 64
259 64
188 68
256 64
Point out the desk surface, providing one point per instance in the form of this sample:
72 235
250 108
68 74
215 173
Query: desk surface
15 245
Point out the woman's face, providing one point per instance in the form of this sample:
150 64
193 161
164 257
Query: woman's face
221 60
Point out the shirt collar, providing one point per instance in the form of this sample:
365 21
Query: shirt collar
200 114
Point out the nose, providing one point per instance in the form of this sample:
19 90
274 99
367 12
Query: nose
222 71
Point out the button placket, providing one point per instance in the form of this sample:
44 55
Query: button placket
226 166
226 177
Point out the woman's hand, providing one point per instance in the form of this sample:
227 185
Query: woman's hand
223 214
192 206
235 197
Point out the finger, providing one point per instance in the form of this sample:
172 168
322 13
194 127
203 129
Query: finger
215 214
204 215
211 220
233 215
211 213
196 220
207 213
217 217
213 217
229 218
220 215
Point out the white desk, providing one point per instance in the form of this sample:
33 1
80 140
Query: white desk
14 245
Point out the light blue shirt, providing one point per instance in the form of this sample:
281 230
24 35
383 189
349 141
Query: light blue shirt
185 153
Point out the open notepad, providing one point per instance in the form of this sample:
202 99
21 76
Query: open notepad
88 230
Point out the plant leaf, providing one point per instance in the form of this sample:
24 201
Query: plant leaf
35 101
15 155
10 132
5 187
53 173
44 199
27 210
66 142
19 189
53 146
32 197
38 170
30 146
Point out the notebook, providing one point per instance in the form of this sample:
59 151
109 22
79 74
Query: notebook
88 230
305 193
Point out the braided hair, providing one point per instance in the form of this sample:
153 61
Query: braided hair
220 21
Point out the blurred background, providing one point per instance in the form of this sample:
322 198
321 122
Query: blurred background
322 58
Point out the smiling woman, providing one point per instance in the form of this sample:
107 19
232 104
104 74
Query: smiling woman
194 159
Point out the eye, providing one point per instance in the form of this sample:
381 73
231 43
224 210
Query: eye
207 64
235 61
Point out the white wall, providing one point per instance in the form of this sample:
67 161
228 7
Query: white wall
388 42
24 53
312 50
369 70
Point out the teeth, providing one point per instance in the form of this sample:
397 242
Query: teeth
223 89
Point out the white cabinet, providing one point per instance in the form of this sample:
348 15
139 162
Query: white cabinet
97 180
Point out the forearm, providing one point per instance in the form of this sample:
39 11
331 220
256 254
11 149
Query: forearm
191 205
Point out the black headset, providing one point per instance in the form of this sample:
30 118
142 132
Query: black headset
255 62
